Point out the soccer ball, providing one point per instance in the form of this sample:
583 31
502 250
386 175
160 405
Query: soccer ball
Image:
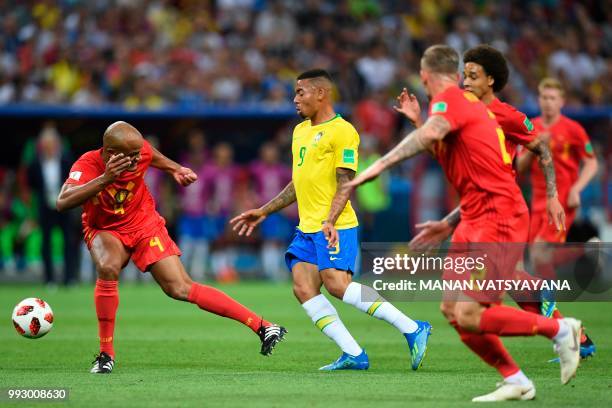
33 318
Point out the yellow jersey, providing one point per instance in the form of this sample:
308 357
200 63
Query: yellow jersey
317 152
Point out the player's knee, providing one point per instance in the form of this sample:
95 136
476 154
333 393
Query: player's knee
467 320
108 271
304 292
336 287
178 290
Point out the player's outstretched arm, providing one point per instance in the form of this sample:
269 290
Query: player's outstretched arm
432 233
339 201
182 175
246 222
72 196
417 141
555 211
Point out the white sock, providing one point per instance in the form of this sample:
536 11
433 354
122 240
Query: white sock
379 307
518 378
325 317
564 330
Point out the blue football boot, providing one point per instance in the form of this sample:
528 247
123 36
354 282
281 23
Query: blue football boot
417 342
348 362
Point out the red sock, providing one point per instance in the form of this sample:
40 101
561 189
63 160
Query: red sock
214 301
532 307
490 349
507 321
106 297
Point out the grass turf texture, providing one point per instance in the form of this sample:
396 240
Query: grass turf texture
171 353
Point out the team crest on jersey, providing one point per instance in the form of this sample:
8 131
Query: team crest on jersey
317 137
121 195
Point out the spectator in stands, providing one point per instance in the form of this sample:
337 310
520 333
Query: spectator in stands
219 51
462 38
570 63
375 117
195 229
377 67
20 237
269 176
276 26
220 175
46 175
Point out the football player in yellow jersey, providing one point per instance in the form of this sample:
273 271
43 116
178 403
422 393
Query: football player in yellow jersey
325 244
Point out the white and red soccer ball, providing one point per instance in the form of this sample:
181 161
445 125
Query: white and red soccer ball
33 318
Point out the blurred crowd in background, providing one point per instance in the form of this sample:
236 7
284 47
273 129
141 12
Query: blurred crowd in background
156 54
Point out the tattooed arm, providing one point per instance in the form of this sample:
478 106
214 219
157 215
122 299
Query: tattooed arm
282 200
554 208
417 141
246 222
338 204
343 176
542 151
453 217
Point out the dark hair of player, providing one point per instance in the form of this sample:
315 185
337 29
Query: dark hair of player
493 63
440 59
315 73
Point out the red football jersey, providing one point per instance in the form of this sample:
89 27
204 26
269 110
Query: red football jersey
569 144
517 127
125 205
474 157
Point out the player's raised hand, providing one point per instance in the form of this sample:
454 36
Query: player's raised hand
431 234
246 222
556 213
116 165
331 234
184 176
408 105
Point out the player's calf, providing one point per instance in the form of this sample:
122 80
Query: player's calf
336 287
177 289
304 292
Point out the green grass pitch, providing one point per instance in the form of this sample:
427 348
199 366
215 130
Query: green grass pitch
171 353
